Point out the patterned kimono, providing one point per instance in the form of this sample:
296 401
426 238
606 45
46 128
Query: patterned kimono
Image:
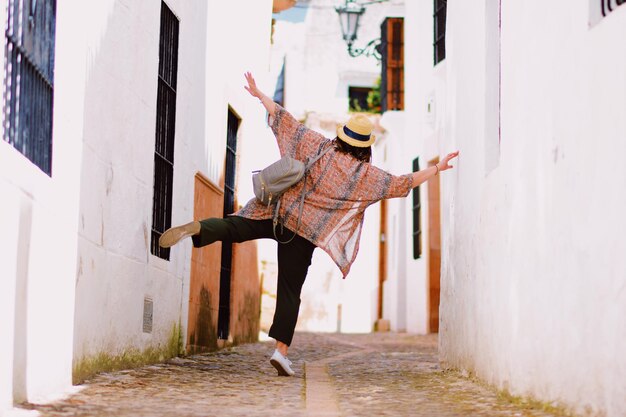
338 190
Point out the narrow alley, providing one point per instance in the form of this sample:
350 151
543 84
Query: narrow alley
380 374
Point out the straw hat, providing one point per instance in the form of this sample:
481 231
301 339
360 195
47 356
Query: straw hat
357 132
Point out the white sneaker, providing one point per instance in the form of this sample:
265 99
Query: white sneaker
282 364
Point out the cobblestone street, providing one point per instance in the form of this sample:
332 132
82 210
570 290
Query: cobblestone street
336 375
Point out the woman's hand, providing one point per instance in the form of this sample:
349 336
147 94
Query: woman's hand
427 173
254 91
444 164
251 87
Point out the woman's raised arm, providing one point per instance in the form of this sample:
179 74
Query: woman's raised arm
427 173
267 102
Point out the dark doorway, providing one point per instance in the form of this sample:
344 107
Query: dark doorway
223 318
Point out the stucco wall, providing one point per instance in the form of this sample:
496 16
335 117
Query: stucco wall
413 133
84 231
533 275
392 155
115 268
39 247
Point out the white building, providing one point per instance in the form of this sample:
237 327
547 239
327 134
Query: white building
81 288
532 266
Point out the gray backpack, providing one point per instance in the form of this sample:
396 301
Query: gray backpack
271 182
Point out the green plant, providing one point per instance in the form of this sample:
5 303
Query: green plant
373 98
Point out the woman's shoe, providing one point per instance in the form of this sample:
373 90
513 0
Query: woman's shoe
282 364
176 234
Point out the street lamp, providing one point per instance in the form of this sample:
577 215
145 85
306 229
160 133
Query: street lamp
349 15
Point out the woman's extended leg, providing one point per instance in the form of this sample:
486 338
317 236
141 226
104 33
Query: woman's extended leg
232 229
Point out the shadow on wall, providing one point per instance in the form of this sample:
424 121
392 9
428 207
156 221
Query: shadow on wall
20 341
248 317
245 313
204 336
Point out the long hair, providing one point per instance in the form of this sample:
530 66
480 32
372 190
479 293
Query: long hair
361 154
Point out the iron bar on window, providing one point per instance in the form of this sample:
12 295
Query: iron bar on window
439 24
29 79
165 131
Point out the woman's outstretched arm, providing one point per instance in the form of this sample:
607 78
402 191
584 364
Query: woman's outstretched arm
267 102
427 173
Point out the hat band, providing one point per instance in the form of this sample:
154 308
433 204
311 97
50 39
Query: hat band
354 135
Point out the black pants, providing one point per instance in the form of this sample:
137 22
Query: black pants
294 259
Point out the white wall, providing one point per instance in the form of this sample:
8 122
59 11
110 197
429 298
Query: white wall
9 251
115 268
392 156
98 201
412 133
533 274
39 248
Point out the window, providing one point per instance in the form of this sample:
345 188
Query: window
417 216
599 9
223 317
439 24
29 79
165 128
392 52
358 98
231 162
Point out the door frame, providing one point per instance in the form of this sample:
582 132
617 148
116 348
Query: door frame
434 251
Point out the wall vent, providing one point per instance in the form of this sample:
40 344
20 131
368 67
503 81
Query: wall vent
147 315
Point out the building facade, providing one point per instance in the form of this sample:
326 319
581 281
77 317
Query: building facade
527 227
149 127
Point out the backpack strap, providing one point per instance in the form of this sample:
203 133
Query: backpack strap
310 162
275 221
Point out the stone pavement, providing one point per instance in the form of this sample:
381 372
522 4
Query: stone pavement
380 374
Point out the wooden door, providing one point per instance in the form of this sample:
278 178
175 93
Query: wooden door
382 256
434 251
392 61
205 273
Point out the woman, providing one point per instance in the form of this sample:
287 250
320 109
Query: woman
339 187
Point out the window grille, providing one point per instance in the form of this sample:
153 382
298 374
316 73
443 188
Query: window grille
417 216
223 317
29 79
439 24
599 9
608 6
231 162
165 129
392 53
